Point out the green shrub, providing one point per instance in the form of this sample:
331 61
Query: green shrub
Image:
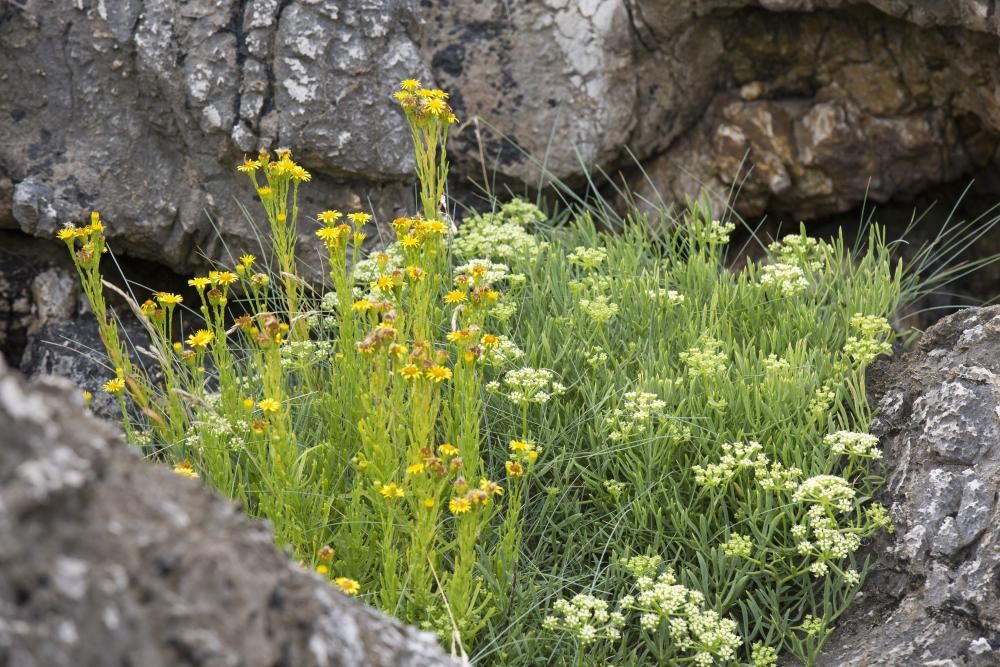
680 453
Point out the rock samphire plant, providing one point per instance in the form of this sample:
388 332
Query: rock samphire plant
547 444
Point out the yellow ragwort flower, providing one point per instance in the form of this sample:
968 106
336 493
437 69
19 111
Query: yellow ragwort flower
247 260
199 282
200 338
455 336
359 219
249 166
185 469
168 298
415 469
300 174
67 233
269 405
514 469
489 340
428 503
409 85
114 385
322 569
329 217
454 296
410 372
409 241
459 505
447 449
438 373
433 227
520 446
391 491
435 106
348 586
223 277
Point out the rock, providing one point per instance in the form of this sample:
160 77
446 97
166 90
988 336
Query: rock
932 596
108 559
807 107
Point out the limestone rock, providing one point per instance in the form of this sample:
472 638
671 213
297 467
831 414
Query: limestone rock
107 559
932 597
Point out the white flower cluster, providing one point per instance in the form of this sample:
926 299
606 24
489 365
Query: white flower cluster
774 364
826 491
307 352
500 235
587 258
821 401
693 628
594 283
776 477
504 353
762 655
707 360
599 309
713 233
871 341
637 411
800 250
671 297
228 433
823 541
849 443
585 617
494 271
785 279
503 309
736 456
529 385
738 546
596 356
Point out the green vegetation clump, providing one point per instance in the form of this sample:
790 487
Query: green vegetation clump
547 444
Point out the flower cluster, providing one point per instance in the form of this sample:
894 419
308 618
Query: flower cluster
823 540
784 279
529 385
712 233
739 546
599 309
501 235
736 457
586 258
826 491
424 104
871 339
637 411
669 296
776 477
849 443
694 629
585 617
468 497
523 455
705 361
800 250
775 365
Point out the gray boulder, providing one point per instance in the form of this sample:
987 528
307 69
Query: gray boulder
933 596
107 559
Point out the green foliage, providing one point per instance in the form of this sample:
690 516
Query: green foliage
684 471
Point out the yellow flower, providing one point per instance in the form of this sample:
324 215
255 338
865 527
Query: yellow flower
259 427
361 305
269 405
322 569
435 106
168 299
359 219
349 586
397 350
185 469
87 397
199 282
455 336
415 469
532 456
329 217
434 227
247 260
114 385
67 233
447 449
200 338
391 490
264 192
383 282
459 505
520 446
428 503
409 85
489 340
514 469
454 296
249 166
438 373
410 372
300 174
409 241
223 277
248 404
